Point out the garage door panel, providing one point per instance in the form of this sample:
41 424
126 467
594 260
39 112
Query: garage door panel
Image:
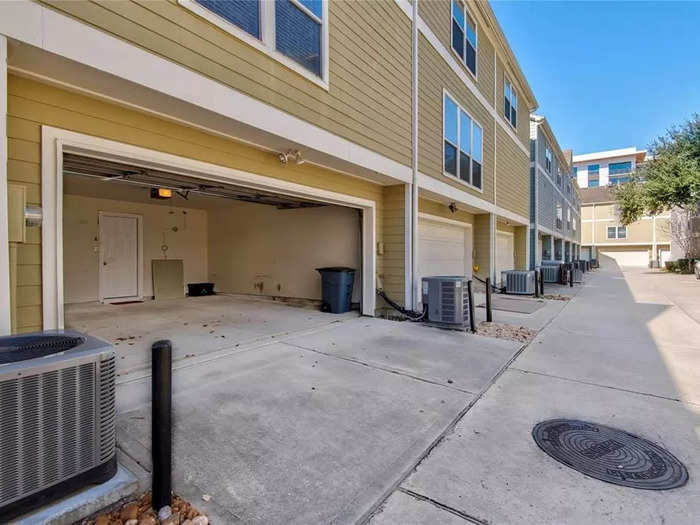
639 258
443 249
505 257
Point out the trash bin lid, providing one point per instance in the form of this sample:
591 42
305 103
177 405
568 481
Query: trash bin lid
335 269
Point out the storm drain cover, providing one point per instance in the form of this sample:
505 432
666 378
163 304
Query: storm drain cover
609 454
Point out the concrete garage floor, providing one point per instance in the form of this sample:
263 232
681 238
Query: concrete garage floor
624 352
197 326
315 427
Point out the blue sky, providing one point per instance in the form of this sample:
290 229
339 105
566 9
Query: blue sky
607 75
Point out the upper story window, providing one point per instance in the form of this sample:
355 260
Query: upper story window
568 218
462 144
464 35
617 232
294 32
593 175
510 103
568 187
558 176
559 216
619 172
548 158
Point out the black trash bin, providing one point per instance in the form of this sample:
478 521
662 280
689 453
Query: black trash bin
336 289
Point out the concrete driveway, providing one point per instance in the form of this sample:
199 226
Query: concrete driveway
625 352
313 427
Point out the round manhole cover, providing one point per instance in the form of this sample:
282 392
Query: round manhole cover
610 455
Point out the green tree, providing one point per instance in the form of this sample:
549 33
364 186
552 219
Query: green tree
669 180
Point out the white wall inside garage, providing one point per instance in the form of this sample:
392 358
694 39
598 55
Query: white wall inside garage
80 242
256 249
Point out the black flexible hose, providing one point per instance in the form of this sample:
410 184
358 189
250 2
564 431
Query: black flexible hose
412 316
493 287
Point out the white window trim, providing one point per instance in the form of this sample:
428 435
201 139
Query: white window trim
55 141
517 109
461 60
267 43
617 232
471 145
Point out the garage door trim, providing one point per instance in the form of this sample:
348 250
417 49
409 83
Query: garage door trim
55 141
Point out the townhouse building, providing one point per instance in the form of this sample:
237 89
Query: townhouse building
249 143
555 200
643 243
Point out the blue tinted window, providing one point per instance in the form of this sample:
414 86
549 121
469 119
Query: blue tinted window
593 169
458 14
593 183
465 125
298 35
620 167
476 142
315 6
450 120
242 13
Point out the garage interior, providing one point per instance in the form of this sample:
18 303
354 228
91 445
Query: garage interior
135 236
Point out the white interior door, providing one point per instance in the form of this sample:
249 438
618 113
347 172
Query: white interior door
119 256
443 249
505 258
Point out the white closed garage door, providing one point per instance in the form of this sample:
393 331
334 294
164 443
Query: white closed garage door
443 248
628 257
505 258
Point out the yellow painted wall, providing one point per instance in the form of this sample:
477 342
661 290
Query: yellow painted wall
369 100
482 245
442 210
81 257
260 250
586 212
437 15
512 175
394 233
520 241
587 233
434 76
31 104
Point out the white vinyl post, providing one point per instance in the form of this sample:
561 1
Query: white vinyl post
5 322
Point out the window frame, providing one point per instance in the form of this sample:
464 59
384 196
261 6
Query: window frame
548 160
474 122
559 216
617 230
513 92
463 61
267 43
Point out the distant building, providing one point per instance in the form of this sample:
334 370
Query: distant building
646 242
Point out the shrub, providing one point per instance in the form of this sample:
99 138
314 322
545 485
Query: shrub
670 265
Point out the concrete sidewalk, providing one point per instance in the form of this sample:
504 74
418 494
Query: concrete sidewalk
624 352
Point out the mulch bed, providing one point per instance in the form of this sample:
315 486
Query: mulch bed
139 512
521 334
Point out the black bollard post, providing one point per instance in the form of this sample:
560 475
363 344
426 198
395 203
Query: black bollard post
571 276
161 423
470 293
537 284
541 282
489 313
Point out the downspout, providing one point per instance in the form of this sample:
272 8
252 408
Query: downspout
415 299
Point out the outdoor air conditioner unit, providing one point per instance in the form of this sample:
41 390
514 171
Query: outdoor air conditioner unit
447 300
519 281
550 271
57 417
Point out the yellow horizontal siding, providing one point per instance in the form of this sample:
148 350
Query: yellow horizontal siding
442 210
434 76
393 273
369 97
31 104
522 129
437 16
482 244
512 175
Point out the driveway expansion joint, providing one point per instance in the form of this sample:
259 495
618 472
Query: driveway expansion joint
599 385
466 517
377 367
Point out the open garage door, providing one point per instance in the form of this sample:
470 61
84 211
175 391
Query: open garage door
189 230
637 257
444 248
505 253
